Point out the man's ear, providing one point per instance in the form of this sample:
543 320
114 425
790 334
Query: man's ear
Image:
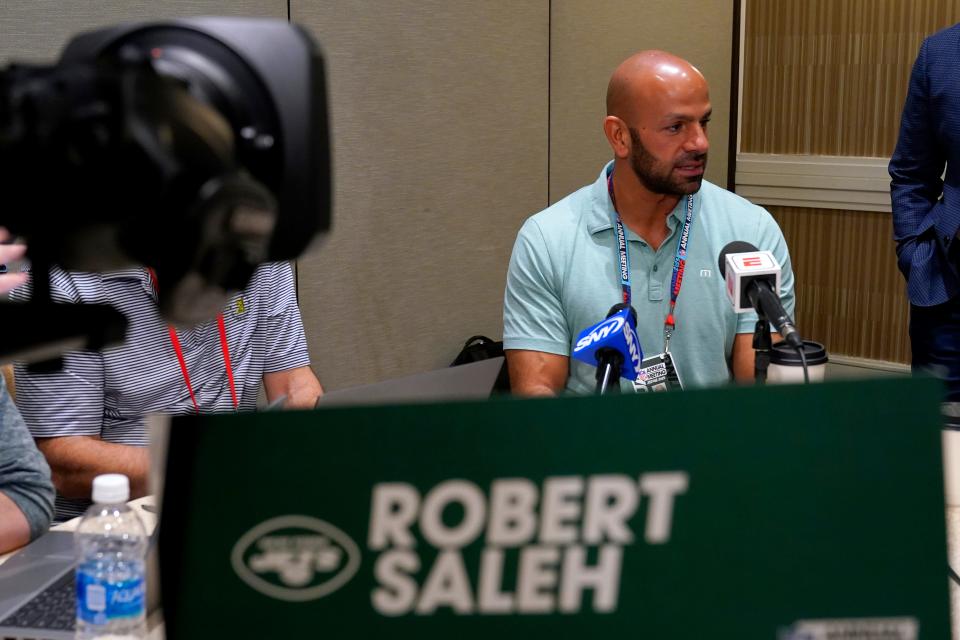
618 136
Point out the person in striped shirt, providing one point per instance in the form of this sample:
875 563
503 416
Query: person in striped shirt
88 418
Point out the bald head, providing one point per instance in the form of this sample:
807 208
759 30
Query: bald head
648 76
658 108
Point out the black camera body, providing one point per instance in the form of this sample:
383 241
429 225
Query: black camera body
197 147
266 78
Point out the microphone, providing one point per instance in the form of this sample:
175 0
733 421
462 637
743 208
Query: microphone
753 283
613 347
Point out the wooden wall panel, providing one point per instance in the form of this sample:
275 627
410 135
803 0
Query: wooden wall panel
850 295
828 77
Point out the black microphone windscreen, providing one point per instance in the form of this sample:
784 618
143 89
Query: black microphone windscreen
620 306
737 246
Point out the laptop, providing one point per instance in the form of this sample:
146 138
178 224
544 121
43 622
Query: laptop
38 595
473 381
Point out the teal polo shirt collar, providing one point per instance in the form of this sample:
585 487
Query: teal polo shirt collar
601 214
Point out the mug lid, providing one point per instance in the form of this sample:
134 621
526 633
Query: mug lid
785 355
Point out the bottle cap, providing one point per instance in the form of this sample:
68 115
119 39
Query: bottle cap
111 488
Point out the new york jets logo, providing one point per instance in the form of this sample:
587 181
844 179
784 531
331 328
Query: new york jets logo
295 558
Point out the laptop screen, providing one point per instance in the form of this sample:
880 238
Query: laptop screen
471 381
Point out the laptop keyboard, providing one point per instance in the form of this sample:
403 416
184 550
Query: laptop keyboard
53 608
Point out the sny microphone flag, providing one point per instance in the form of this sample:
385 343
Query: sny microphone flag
618 333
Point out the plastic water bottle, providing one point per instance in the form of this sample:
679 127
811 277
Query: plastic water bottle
111 547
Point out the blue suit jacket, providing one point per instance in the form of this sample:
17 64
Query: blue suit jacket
926 209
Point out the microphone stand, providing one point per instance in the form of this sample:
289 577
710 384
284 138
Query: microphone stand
761 345
609 363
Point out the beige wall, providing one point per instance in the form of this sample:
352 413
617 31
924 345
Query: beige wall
36 30
449 118
589 38
440 129
439 144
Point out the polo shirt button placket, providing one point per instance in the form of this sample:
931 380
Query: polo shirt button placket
654 286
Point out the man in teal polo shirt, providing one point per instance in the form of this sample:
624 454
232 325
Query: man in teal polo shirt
565 271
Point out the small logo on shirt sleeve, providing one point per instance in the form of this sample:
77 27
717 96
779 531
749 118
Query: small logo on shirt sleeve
706 273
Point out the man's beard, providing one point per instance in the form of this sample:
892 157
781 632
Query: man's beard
657 176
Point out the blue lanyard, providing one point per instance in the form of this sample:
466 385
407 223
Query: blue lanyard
679 260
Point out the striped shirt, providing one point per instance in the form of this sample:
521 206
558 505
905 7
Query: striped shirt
108 394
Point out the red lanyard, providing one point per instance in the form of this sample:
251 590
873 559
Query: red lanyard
679 261
175 341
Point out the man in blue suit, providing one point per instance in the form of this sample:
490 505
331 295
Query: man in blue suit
926 208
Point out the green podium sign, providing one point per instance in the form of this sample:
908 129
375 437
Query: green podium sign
790 513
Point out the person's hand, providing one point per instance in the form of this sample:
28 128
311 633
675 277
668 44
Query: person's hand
9 253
